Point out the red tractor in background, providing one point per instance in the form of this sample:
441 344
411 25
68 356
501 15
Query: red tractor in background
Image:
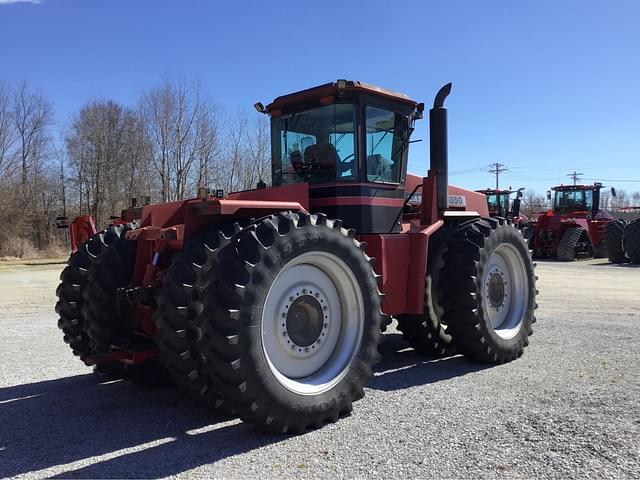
269 303
575 226
500 205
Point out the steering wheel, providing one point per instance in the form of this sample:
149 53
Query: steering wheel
345 159
346 164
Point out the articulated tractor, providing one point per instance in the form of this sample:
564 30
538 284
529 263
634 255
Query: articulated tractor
270 303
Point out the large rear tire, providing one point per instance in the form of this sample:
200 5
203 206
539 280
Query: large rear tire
177 316
426 333
73 282
631 241
106 323
111 269
293 322
488 291
613 241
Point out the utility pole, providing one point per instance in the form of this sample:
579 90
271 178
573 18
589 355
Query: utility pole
497 169
575 176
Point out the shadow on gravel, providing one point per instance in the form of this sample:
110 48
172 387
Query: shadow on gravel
403 367
75 418
617 265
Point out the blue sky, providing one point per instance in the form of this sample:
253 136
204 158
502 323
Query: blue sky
544 87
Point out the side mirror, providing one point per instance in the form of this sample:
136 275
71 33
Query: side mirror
613 192
548 194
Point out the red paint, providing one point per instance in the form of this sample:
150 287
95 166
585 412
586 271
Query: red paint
81 229
392 262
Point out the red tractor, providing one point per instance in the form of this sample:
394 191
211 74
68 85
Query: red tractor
575 227
500 205
270 303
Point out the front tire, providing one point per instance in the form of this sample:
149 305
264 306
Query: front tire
488 290
293 322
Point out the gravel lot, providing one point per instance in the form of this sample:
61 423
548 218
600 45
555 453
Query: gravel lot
569 408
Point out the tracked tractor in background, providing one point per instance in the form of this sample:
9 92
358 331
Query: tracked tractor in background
575 226
270 303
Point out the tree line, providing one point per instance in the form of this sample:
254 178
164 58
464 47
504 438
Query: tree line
174 139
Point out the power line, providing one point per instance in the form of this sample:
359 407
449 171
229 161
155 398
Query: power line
575 176
611 180
497 169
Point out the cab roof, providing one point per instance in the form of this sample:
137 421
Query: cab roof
564 188
493 191
337 89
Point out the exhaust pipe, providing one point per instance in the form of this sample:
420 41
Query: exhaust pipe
438 146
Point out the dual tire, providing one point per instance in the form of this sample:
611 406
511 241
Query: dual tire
631 241
613 241
88 312
481 294
278 322
286 314
488 290
74 283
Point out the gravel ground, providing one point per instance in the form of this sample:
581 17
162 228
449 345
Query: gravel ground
569 408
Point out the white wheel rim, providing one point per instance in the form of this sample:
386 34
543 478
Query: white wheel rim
505 291
312 358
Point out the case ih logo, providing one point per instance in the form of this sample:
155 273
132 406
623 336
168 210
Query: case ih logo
457 201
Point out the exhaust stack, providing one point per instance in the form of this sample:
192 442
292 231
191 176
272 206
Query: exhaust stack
438 146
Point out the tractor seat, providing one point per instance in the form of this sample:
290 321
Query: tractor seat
322 158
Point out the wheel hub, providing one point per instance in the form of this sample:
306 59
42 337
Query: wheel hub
305 320
312 322
505 290
495 290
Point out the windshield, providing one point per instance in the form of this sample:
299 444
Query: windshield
315 146
573 201
498 204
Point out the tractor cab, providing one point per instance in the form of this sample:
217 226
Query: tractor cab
576 199
349 142
499 202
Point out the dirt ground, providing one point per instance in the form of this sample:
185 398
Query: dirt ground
569 408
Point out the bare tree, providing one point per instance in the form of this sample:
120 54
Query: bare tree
182 125
106 149
532 203
32 116
175 140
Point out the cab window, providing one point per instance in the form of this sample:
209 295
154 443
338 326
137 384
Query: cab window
384 145
315 146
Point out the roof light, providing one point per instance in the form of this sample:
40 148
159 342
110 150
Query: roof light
341 84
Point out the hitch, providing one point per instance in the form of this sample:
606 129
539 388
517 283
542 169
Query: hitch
127 297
